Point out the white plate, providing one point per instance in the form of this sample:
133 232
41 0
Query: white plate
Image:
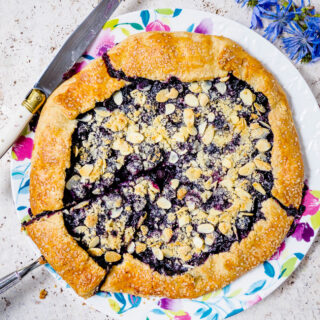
261 281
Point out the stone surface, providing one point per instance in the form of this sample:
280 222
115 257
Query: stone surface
31 33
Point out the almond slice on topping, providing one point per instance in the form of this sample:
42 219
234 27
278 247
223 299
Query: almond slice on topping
162 95
208 135
247 169
259 188
203 99
188 117
86 170
134 137
224 227
72 182
167 234
202 127
173 93
170 108
198 242
111 256
131 247
209 239
205 228
226 163
263 145
181 193
183 220
95 252
117 98
261 165
140 247
259 133
259 107
195 87
163 203
174 183
247 97
221 87
191 100
94 242
173 157
157 253
193 174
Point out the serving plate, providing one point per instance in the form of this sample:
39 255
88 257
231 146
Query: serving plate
258 283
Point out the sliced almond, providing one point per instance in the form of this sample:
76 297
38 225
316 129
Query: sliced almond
203 99
157 253
117 98
221 87
247 97
81 229
193 174
173 93
167 234
195 87
91 220
211 117
259 133
94 242
162 95
183 220
198 242
259 107
181 193
224 227
174 183
188 117
140 247
191 100
72 182
263 145
86 170
205 196
242 194
259 188
111 256
205 228
170 108
208 135
115 213
95 252
247 169
206 85
81 204
133 136
163 203
261 165
202 127
209 239
131 247
226 163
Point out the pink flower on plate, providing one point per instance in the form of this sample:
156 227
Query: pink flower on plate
157 25
104 42
277 254
22 148
204 27
169 304
255 300
311 203
183 317
303 231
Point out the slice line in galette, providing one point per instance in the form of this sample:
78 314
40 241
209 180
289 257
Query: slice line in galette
168 167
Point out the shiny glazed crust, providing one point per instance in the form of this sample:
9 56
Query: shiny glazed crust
158 56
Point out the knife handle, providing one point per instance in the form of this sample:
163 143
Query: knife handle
17 122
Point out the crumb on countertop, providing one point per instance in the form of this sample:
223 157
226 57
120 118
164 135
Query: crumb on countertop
43 294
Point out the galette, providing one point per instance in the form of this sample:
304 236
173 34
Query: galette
168 167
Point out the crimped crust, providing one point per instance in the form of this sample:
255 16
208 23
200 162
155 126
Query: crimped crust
158 56
64 254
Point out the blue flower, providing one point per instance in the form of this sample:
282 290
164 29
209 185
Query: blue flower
281 18
257 14
299 45
313 33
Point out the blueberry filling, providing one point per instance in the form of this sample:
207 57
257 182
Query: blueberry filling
183 166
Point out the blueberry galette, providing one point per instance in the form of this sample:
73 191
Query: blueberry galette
168 167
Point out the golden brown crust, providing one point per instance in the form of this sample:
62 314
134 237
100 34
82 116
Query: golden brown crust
52 144
64 254
157 56
134 277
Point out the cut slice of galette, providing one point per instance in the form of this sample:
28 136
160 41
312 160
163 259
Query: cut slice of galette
169 167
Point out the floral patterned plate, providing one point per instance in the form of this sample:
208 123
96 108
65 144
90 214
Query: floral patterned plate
258 283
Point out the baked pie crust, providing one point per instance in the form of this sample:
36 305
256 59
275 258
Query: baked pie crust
161 56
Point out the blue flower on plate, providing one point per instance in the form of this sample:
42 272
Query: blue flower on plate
281 17
260 7
299 45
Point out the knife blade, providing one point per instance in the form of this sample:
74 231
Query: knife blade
70 52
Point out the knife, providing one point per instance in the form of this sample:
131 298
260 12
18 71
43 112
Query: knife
70 52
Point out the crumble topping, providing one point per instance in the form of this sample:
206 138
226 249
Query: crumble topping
177 170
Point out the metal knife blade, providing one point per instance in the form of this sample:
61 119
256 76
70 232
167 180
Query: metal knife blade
75 46
52 77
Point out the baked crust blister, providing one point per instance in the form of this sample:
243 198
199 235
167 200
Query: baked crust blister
159 56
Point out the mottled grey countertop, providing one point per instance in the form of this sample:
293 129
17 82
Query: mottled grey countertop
31 33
